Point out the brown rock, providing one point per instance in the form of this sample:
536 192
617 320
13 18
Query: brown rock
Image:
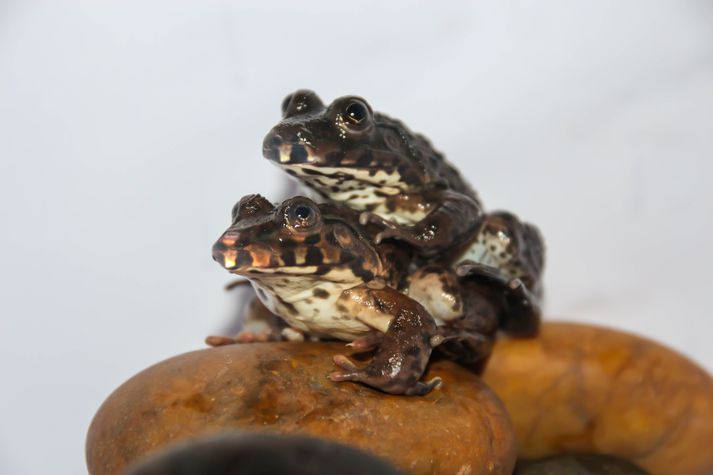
283 387
581 388
578 464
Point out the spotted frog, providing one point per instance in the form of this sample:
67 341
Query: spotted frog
316 267
347 153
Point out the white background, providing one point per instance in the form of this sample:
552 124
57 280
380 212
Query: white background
129 129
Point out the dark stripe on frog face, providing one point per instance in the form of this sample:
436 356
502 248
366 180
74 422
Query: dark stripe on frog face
288 258
314 256
313 239
298 154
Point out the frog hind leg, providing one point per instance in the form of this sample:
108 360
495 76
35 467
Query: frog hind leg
513 247
519 312
403 352
470 339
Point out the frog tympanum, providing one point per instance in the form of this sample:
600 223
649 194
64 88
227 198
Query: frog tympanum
347 153
317 267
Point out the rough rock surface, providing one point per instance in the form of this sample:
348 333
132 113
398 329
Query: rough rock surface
587 389
283 387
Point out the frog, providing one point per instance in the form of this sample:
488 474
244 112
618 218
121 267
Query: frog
347 153
315 266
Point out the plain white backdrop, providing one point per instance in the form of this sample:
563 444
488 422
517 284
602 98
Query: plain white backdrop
129 129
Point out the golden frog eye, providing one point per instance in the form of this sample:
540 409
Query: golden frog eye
356 112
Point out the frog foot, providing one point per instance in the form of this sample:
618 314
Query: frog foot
466 347
373 375
242 337
367 342
521 314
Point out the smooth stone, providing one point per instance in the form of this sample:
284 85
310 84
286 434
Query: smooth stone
578 464
251 453
283 387
588 389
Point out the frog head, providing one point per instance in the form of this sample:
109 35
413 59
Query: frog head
296 238
346 151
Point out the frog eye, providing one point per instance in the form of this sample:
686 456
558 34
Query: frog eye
356 112
250 205
302 215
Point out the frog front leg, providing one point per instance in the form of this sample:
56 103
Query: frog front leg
408 335
453 219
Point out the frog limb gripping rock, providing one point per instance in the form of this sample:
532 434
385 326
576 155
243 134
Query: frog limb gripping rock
313 267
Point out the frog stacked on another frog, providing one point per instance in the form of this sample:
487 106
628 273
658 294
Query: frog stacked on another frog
316 266
334 270
348 154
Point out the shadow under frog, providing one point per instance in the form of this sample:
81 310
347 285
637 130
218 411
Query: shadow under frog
317 268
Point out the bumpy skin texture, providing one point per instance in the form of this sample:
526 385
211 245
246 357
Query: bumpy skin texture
316 267
346 153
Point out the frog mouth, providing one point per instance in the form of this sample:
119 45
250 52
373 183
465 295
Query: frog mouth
259 261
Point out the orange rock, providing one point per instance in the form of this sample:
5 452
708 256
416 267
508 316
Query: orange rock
581 388
283 387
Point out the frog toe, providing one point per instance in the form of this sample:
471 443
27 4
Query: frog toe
366 343
345 363
421 389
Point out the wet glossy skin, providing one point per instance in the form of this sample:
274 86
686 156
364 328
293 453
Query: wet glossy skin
347 153
315 267
312 267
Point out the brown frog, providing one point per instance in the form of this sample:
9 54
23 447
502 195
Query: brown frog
347 153
317 268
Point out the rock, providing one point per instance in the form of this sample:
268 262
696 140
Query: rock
578 464
283 387
581 388
250 453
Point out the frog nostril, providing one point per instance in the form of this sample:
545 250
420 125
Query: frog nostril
276 140
218 252
271 146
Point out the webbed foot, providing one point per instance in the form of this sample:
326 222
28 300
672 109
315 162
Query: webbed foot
242 337
371 376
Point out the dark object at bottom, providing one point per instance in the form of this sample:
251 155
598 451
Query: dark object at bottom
245 453
578 464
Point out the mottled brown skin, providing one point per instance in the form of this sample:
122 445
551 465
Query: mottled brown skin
586 389
283 388
349 154
283 249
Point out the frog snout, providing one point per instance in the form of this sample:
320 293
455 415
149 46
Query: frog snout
288 144
227 251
